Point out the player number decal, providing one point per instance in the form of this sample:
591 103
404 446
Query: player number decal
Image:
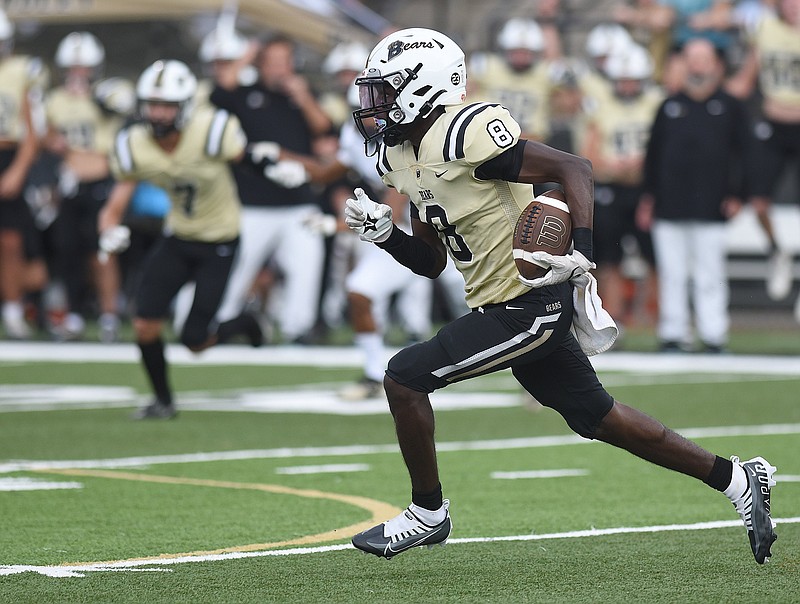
184 194
499 133
437 218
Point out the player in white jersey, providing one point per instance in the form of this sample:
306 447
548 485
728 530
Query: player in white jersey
469 176
369 278
773 64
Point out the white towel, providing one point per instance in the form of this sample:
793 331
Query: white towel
592 326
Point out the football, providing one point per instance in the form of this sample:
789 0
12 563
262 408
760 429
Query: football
543 226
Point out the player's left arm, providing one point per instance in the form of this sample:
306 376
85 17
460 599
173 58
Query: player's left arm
533 162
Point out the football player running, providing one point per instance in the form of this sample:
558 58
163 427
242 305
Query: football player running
187 153
469 176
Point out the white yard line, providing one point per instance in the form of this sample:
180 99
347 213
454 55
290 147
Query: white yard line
349 450
332 468
523 474
156 565
349 356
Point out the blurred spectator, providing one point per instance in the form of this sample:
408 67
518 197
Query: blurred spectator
517 77
615 143
649 22
279 107
773 63
82 119
19 77
693 182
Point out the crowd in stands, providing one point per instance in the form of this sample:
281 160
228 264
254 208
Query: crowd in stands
299 272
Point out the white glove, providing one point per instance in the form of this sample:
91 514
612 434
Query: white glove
324 224
562 268
372 221
113 240
288 173
264 150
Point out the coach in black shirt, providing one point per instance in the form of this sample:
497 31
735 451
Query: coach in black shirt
693 182
281 108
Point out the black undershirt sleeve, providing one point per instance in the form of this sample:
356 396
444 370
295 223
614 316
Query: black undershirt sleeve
505 166
411 252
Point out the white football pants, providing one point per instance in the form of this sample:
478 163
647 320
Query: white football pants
279 233
691 265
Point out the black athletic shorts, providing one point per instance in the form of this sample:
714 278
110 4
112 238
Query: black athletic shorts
174 262
15 215
531 335
615 217
776 145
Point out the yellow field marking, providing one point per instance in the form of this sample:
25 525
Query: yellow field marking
380 511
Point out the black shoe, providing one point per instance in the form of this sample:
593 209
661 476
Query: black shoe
403 532
156 410
714 349
362 390
671 346
245 325
753 506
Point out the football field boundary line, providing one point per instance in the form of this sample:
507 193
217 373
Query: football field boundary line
68 571
350 356
354 450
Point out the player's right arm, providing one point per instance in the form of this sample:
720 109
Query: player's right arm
114 209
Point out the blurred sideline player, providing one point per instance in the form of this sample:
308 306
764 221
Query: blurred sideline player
19 77
469 176
615 143
81 134
187 153
342 64
773 63
517 77
374 277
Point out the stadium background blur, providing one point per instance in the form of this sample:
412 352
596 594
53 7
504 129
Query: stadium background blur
135 36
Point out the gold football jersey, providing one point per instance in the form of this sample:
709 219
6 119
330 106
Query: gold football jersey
526 95
475 218
624 126
778 47
81 121
196 175
17 75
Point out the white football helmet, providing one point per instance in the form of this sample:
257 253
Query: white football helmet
347 56
222 44
632 64
6 34
166 82
521 33
80 49
115 96
408 74
607 39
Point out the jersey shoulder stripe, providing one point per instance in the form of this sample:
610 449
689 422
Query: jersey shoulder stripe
383 166
454 139
215 132
123 150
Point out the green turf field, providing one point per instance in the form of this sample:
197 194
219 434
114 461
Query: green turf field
252 493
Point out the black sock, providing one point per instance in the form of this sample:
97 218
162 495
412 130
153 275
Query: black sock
155 363
721 474
429 501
